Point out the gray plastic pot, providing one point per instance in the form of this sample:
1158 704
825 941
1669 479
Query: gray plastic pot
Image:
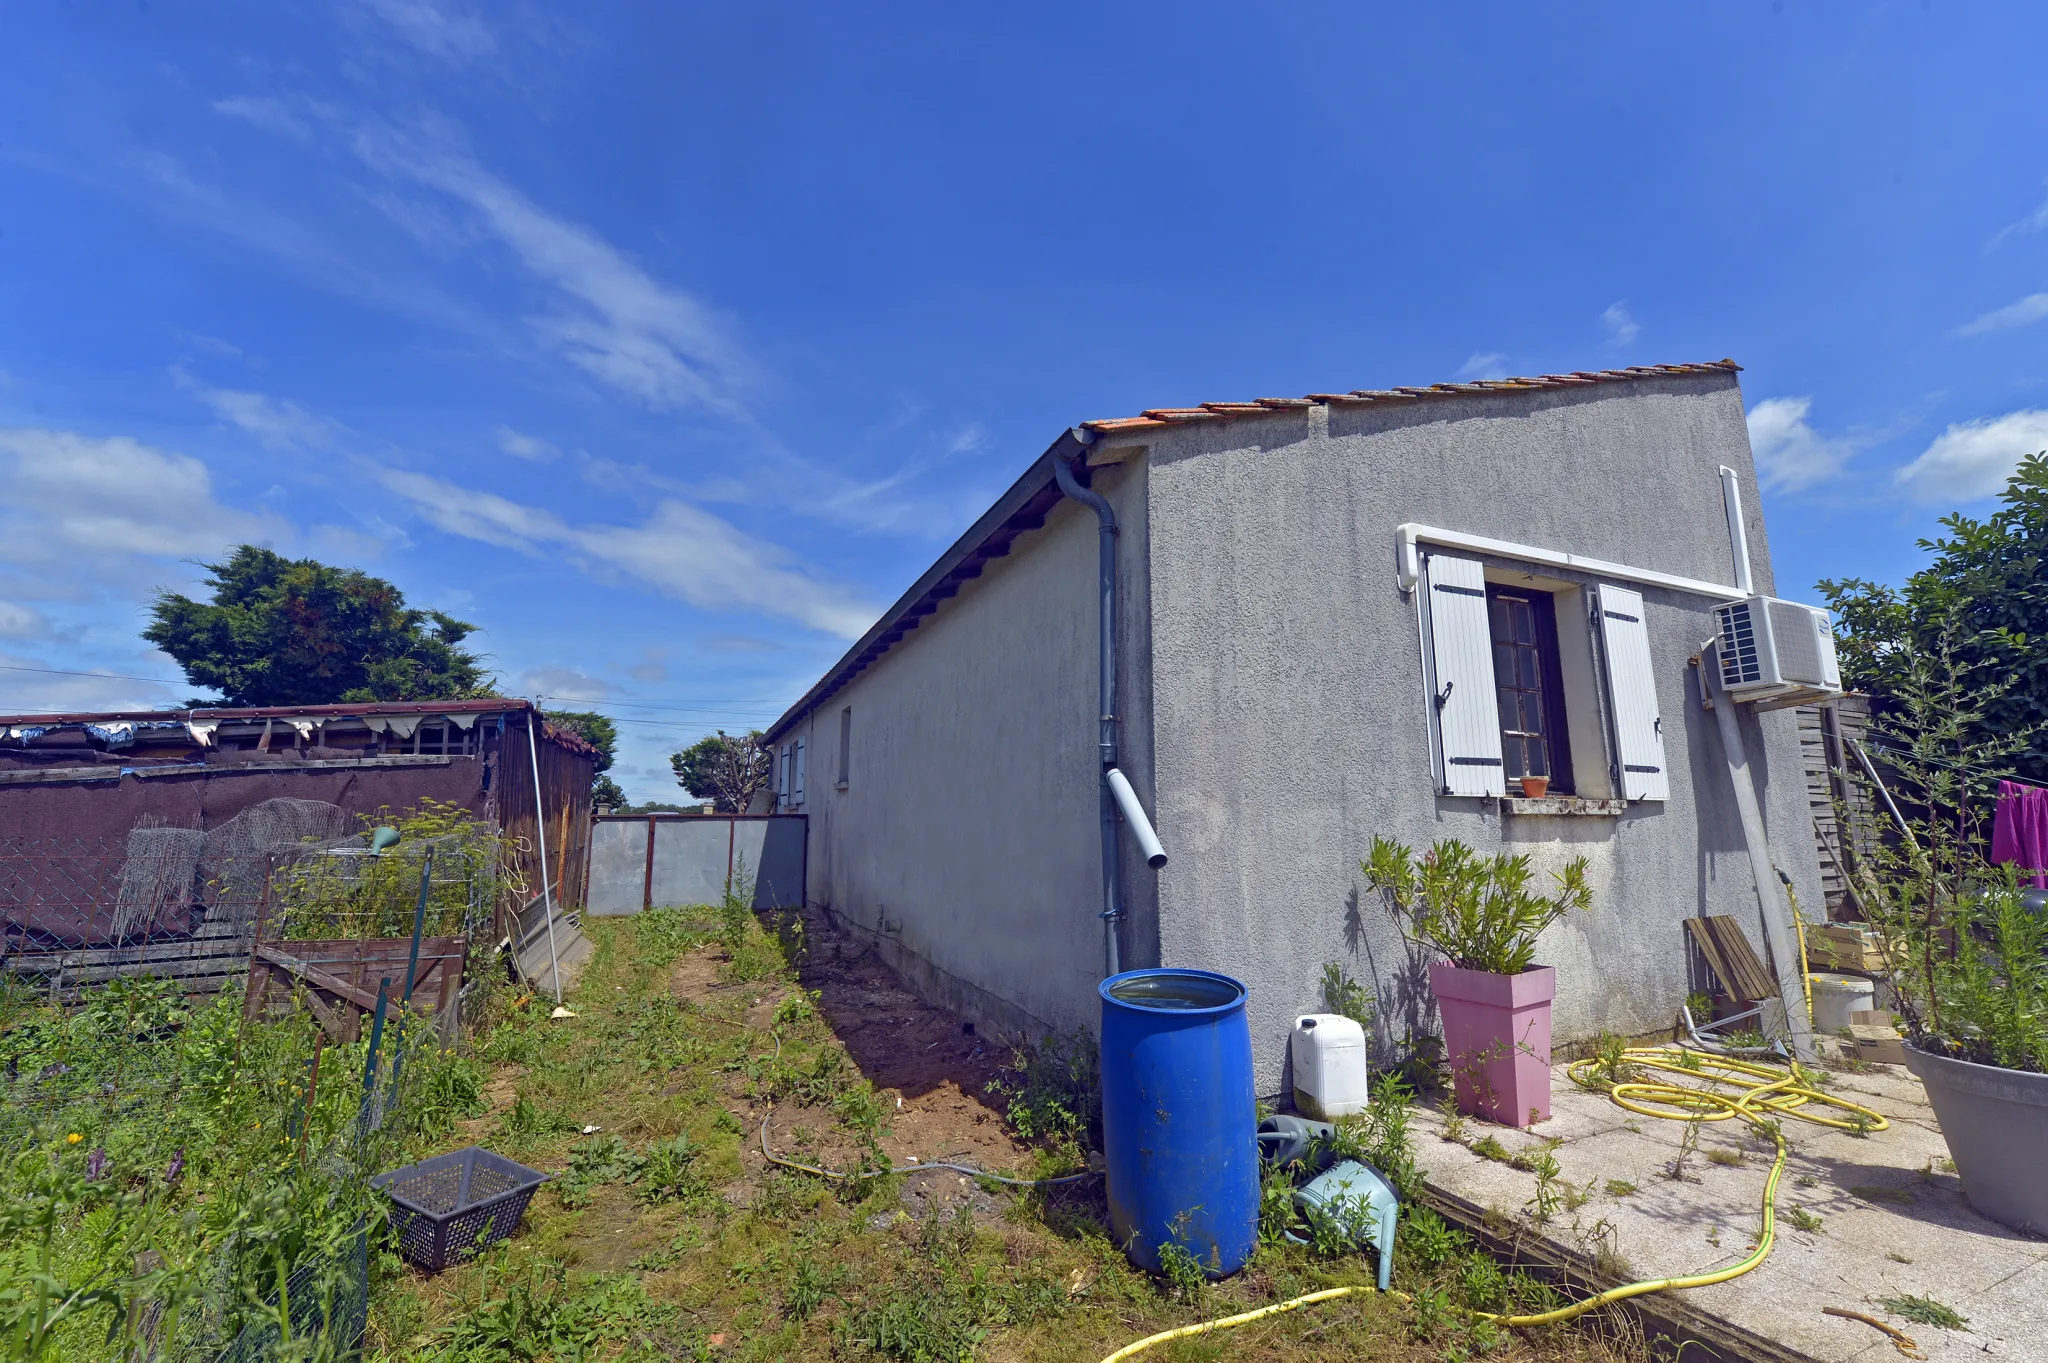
1996 1124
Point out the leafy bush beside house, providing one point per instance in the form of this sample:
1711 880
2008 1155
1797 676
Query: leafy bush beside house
1983 599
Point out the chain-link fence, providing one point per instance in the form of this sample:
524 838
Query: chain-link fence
117 1067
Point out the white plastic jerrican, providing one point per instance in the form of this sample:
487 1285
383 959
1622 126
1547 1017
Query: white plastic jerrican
1329 1066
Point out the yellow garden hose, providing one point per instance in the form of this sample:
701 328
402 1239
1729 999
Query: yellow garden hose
1722 1088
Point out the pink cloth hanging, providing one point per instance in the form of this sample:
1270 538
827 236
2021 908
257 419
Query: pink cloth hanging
2019 830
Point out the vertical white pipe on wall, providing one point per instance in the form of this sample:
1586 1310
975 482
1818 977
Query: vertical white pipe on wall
1777 913
1738 536
540 824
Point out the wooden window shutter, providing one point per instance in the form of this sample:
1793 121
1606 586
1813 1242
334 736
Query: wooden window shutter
798 782
1631 694
1466 709
782 777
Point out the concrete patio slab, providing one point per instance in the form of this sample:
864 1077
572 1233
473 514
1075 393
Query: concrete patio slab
1893 1218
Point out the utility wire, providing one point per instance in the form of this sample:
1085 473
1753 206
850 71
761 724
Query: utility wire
104 676
652 705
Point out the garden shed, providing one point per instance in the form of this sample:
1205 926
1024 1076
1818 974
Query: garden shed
86 800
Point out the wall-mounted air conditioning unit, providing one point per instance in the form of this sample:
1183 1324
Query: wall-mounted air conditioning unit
1770 647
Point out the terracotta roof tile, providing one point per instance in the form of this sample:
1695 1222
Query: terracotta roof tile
1157 417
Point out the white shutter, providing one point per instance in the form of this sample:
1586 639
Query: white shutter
782 778
797 795
1632 694
1467 709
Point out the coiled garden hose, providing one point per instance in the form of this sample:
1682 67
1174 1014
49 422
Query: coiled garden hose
1763 1095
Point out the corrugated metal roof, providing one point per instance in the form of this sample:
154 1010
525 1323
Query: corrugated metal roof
488 705
1030 498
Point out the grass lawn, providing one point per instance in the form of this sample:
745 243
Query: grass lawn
666 1234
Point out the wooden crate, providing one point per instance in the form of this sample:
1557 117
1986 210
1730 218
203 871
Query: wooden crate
1845 946
338 979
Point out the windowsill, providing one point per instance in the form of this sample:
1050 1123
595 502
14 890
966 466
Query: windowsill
1565 805
840 786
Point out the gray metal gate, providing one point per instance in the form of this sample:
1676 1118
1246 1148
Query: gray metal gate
642 861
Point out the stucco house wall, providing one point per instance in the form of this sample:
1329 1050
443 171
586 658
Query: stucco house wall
1275 717
1292 722
964 845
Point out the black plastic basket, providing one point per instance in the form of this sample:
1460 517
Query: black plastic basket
448 1207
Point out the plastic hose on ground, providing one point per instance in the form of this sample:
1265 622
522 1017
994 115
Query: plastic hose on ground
1762 1095
967 1169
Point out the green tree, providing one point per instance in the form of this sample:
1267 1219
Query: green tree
731 771
600 733
1982 601
285 631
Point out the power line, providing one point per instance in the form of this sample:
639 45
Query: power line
104 676
682 709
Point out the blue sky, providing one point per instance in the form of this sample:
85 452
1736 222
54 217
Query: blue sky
669 343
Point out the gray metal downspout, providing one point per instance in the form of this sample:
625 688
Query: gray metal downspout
1112 910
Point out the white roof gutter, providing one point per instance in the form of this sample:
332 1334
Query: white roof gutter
1409 534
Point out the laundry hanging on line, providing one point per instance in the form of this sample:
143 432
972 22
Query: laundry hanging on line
2019 831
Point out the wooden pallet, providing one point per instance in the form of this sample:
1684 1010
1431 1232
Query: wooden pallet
1732 959
337 980
198 964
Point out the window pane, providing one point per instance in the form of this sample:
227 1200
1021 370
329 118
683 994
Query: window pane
1532 713
1538 764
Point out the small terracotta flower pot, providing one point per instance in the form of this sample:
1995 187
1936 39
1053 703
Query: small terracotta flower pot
1535 787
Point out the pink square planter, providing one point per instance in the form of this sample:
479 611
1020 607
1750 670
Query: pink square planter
1497 1038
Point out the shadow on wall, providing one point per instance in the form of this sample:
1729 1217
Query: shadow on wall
1404 1018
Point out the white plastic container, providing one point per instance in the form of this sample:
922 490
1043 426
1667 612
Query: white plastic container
1835 997
1329 1066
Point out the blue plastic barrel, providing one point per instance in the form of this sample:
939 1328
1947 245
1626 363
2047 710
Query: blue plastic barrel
1179 1118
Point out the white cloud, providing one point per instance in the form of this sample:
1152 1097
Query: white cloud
563 683
2033 222
680 549
21 622
1622 328
278 422
56 687
652 667
273 116
1973 459
437 30
1790 454
530 447
2032 308
80 504
1486 364
615 321
738 643
968 439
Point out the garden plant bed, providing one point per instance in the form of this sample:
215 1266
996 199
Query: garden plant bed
1892 1221
643 1249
